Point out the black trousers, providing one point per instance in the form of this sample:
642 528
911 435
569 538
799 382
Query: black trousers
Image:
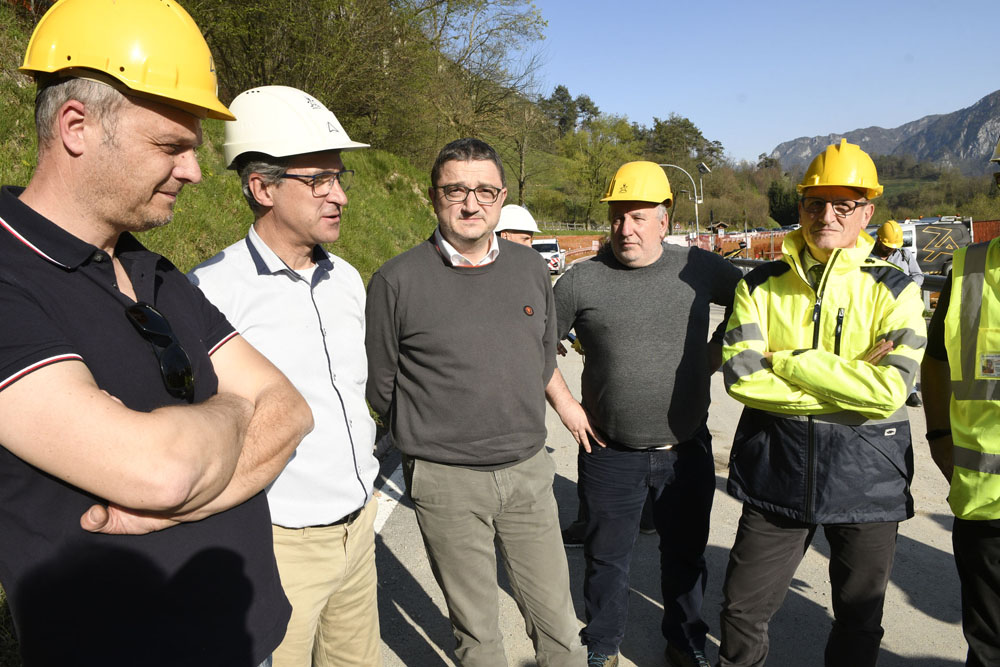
977 555
768 550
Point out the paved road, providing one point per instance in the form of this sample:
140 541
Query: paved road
922 616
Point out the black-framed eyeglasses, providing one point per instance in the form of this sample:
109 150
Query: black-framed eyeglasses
456 193
175 365
842 208
322 182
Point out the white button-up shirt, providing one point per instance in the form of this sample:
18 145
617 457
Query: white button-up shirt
455 258
314 331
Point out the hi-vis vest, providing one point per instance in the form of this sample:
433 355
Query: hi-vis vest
972 338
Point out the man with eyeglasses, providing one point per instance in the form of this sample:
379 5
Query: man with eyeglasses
138 429
461 353
823 348
304 309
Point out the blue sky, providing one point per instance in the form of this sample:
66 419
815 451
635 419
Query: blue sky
754 74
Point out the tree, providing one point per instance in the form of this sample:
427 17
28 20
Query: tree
783 203
561 109
597 151
525 131
679 141
484 56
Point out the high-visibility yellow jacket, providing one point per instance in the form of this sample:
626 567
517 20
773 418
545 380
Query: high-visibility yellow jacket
824 437
972 339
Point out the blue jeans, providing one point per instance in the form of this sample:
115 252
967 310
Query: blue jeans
616 482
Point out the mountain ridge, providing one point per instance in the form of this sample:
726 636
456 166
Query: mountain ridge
963 139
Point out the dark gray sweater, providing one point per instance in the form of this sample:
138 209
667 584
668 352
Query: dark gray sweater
645 380
458 358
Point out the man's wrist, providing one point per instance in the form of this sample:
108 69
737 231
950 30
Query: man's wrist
938 433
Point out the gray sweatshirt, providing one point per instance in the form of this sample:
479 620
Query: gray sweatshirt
458 358
645 380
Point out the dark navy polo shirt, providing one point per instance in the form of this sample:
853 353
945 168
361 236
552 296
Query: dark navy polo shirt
203 593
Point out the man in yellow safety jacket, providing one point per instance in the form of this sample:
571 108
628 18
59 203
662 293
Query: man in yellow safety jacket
823 349
961 378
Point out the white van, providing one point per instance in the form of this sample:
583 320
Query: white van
553 255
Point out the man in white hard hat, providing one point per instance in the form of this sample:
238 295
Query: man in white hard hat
641 310
303 308
469 417
126 397
516 224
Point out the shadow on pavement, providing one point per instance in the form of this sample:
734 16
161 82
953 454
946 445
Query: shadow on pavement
403 607
798 631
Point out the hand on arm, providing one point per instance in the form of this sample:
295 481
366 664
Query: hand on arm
572 414
58 420
279 421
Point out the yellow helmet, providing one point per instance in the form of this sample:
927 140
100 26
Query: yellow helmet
842 164
151 47
640 181
891 234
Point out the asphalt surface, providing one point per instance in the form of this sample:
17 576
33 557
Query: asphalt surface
922 611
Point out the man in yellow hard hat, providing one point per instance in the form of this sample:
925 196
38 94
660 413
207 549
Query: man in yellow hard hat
645 387
137 428
823 348
961 385
889 246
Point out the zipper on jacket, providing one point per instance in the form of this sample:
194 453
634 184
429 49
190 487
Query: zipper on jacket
810 435
838 331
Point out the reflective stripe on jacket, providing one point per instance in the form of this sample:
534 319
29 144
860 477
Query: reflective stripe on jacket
824 437
972 338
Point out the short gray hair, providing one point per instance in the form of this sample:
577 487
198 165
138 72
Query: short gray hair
100 99
270 171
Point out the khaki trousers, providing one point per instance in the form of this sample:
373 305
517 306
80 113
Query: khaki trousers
464 516
329 577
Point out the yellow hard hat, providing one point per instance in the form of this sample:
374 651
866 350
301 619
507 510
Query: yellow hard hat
640 181
151 47
891 234
842 164
996 153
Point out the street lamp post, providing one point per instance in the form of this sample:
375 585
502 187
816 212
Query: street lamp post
699 192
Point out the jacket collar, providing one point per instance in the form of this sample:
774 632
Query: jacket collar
843 260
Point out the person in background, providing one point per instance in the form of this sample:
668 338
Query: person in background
889 246
516 225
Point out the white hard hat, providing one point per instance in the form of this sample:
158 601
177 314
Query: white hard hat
281 121
516 218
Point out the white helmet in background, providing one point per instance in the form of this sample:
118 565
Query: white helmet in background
516 219
281 121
